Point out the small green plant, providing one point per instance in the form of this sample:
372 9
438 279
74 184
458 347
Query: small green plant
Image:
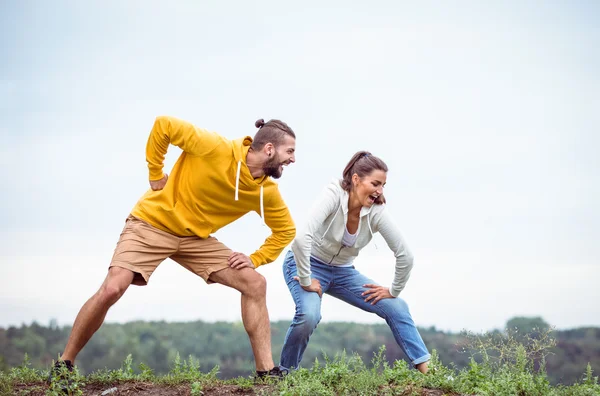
127 369
25 372
146 373
588 378
244 383
439 376
509 363
588 386
189 371
65 382
196 389
6 387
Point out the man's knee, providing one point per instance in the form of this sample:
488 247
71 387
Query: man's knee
115 286
110 294
255 285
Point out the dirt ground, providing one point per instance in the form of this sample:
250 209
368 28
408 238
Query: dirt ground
151 389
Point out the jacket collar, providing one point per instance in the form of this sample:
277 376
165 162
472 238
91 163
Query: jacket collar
344 197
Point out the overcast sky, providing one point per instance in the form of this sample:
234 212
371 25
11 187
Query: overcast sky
487 115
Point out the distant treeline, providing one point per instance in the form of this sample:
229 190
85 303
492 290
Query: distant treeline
226 344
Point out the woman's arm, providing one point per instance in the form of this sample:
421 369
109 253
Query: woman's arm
404 258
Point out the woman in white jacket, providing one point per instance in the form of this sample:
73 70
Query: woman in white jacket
342 222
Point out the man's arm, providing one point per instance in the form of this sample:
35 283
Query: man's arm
283 230
191 139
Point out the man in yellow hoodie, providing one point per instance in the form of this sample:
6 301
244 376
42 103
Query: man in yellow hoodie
214 182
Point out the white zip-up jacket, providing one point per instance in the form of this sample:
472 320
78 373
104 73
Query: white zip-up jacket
322 236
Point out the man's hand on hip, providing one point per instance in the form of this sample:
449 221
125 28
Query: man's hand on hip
240 260
159 184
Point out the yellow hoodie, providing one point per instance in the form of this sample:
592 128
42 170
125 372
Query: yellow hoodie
209 187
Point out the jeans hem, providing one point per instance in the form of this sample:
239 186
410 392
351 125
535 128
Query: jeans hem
422 359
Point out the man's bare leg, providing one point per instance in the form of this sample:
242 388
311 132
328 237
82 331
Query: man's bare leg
255 316
92 314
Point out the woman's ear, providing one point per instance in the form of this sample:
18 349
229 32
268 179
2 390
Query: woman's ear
355 180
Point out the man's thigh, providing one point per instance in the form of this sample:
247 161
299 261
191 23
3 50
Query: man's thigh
141 248
202 256
245 280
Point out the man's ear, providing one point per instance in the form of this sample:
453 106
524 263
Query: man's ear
269 149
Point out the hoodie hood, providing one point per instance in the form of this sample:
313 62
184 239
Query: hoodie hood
240 148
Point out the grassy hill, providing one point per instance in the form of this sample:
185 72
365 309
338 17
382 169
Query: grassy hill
517 374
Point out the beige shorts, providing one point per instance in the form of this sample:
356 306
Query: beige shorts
142 247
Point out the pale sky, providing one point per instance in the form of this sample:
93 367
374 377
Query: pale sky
487 115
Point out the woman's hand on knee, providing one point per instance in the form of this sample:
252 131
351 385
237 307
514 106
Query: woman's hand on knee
376 293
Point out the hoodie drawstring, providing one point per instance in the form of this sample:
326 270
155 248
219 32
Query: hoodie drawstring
237 180
237 189
262 206
330 223
371 231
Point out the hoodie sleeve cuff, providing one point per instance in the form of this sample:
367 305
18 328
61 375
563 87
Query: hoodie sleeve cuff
394 292
253 259
305 281
156 174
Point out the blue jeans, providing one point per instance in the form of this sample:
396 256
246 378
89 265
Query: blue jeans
345 283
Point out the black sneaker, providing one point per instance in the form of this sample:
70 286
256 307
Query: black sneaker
275 373
59 376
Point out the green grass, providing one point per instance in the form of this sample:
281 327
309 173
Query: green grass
501 364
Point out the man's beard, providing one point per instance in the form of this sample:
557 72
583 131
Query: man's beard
271 167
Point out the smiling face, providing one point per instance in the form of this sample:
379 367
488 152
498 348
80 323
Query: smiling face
369 188
279 157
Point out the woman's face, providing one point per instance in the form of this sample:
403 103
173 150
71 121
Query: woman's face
370 187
